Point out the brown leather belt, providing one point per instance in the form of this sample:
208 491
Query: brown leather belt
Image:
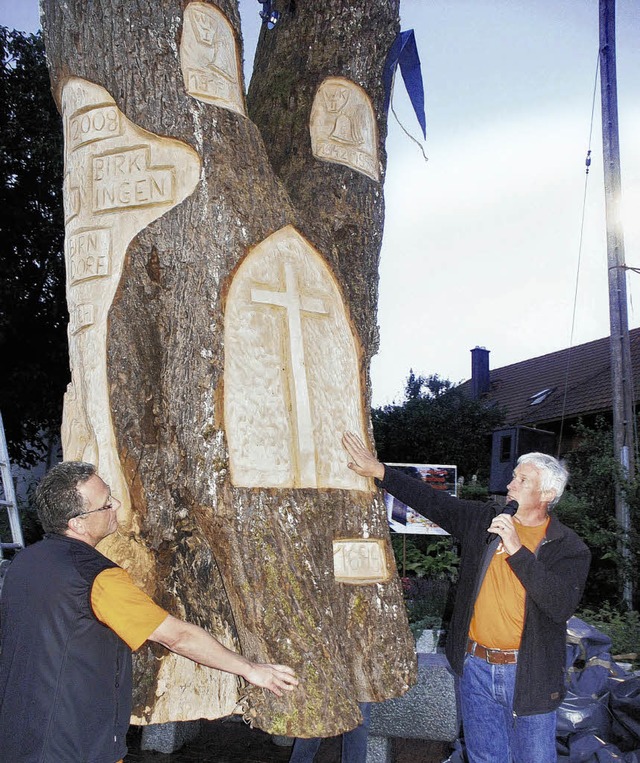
492 656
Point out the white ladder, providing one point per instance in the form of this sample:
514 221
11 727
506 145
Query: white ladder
9 500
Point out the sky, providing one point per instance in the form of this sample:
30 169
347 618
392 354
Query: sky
484 243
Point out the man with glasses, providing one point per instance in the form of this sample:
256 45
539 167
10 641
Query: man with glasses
70 619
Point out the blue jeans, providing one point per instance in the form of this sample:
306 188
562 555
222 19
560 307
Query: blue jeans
354 742
492 733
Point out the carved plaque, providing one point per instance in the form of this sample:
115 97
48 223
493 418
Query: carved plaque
360 560
118 179
343 127
291 376
209 58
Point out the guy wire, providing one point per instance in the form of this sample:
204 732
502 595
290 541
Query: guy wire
581 238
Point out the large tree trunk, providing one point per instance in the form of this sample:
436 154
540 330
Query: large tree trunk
222 286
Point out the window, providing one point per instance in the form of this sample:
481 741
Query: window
505 448
539 397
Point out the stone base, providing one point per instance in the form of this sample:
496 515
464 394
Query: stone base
283 741
168 737
427 711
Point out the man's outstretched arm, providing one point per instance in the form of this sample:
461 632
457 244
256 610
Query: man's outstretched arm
194 642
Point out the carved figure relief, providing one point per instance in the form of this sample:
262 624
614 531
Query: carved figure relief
343 126
209 58
118 178
291 376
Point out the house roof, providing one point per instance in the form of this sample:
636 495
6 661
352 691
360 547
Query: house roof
568 383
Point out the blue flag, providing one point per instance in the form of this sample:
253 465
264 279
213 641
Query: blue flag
404 52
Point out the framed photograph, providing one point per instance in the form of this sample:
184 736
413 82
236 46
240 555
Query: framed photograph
403 519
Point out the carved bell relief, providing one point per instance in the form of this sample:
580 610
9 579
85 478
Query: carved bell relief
343 126
209 58
291 376
118 179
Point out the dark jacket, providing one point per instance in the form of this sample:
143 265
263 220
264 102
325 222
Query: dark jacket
553 578
65 678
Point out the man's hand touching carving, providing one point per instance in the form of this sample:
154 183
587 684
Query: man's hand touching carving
362 462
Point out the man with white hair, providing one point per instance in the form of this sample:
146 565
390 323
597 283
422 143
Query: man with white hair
521 578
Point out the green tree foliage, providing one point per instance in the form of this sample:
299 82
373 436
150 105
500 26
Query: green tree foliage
437 423
437 559
588 506
623 628
33 315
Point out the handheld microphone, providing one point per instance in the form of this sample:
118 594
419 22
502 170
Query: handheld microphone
510 509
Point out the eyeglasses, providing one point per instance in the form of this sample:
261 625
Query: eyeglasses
107 507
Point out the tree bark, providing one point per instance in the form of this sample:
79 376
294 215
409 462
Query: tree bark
252 563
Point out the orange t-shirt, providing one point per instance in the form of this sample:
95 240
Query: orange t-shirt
126 609
498 615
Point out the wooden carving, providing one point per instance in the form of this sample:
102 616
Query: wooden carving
190 228
282 307
343 127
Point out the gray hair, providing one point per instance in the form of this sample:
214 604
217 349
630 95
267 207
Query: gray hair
553 473
57 496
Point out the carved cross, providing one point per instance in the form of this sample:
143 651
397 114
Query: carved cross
295 304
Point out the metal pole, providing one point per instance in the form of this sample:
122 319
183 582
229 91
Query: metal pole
621 370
